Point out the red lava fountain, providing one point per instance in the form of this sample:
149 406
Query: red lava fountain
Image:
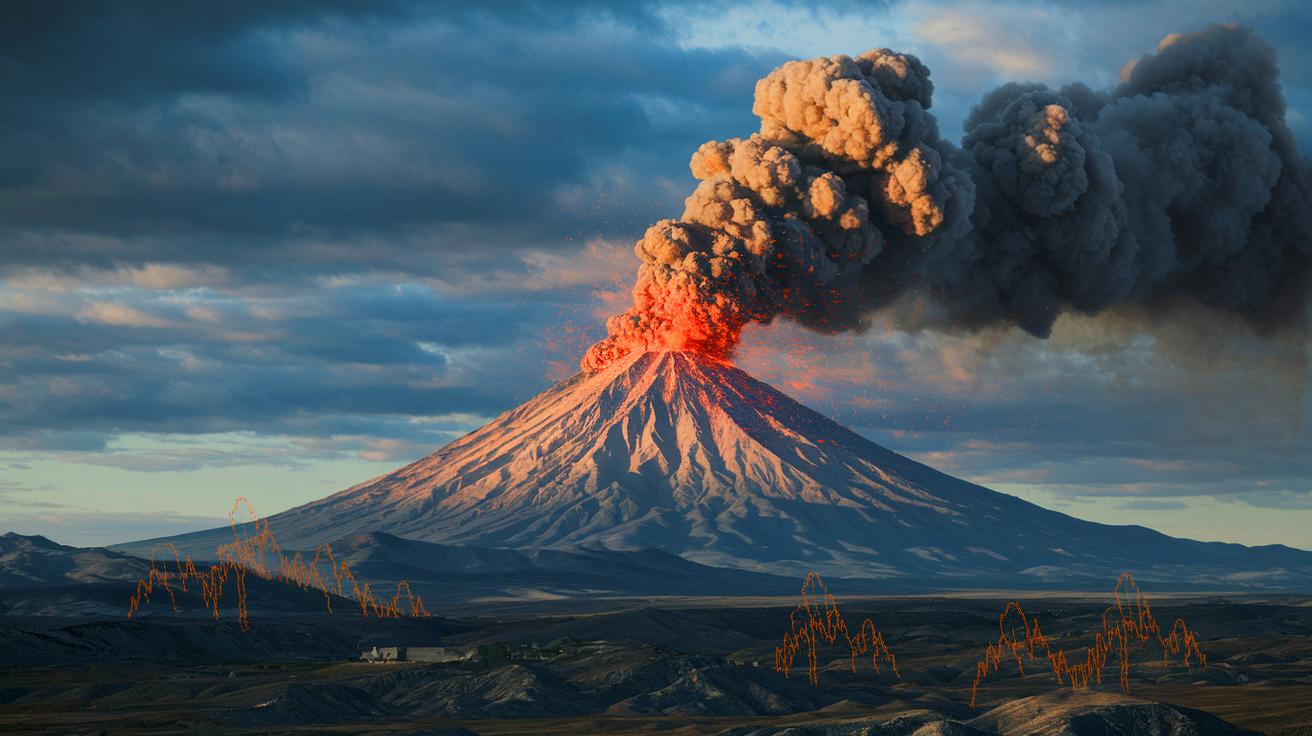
669 318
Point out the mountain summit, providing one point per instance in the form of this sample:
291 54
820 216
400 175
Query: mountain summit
692 456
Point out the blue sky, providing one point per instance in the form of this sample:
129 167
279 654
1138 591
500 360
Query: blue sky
274 250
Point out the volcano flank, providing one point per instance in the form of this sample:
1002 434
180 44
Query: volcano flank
689 455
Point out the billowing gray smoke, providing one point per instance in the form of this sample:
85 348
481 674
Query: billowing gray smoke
1182 184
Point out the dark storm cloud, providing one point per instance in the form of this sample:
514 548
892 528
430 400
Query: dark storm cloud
277 127
256 149
127 361
66 55
133 54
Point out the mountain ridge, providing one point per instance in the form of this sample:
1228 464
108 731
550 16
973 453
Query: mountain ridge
691 456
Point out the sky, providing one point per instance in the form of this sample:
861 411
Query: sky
276 249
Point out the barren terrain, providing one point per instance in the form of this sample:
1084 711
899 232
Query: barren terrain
683 665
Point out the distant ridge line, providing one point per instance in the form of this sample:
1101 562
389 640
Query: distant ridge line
253 553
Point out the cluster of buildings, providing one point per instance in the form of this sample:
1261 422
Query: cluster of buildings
494 652
414 654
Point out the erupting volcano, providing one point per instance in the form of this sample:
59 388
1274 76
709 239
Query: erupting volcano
687 454
1180 186
847 202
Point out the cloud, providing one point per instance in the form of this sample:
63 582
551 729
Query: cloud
369 349
1101 409
984 39
385 144
1153 505
118 314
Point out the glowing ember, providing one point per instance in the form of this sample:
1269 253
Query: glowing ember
669 318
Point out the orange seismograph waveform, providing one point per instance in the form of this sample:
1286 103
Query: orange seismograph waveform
1121 628
258 554
818 617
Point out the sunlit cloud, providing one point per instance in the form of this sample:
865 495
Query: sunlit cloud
118 314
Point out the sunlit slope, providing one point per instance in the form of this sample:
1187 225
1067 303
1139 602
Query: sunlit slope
692 456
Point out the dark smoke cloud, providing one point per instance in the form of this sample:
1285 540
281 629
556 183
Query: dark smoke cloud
1181 185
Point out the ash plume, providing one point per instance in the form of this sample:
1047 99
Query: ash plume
1183 184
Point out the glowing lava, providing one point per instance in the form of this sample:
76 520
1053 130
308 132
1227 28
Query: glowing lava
666 317
260 555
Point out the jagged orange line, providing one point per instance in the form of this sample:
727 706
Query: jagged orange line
260 555
823 618
1125 629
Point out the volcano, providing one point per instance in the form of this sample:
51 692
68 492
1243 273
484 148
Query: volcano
685 454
